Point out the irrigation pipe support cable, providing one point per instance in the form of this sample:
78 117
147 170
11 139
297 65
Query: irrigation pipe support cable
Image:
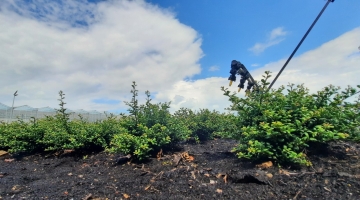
297 47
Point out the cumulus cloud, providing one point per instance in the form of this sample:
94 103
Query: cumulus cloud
276 36
91 51
214 68
335 62
202 93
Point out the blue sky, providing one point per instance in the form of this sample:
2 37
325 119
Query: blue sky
230 28
179 50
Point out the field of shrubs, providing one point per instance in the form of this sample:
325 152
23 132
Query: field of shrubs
277 125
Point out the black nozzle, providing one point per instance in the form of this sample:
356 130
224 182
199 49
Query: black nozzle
242 82
233 71
232 77
250 85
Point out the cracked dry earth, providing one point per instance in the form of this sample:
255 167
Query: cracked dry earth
209 171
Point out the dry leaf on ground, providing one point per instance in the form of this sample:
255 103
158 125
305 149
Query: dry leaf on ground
2 153
265 165
159 154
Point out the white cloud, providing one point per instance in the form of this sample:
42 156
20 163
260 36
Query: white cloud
203 93
254 65
214 68
44 49
277 32
275 37
335 62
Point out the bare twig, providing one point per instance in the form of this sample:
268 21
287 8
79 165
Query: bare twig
153 180
299 192
87 197
159 174
295 174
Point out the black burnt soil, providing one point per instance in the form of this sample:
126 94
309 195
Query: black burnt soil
211 172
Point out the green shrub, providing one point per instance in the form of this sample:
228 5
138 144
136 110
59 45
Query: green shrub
123 142
20 136
280 125
147 128
140 146
57 133
178 130
109 127
204 124
61 133
227 127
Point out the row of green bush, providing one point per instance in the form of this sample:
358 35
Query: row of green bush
278 124
146 129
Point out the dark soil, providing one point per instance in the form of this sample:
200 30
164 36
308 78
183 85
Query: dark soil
215 173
